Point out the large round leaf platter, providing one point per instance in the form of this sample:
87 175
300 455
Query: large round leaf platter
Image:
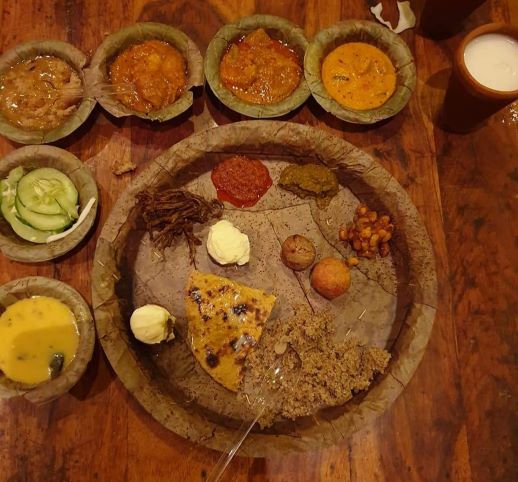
391 302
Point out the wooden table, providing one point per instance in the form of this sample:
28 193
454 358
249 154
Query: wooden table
458 418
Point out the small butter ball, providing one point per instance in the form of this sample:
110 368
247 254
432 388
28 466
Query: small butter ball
152 324
298 252
330 278
227 245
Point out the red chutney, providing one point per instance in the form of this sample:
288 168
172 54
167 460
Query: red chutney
241 181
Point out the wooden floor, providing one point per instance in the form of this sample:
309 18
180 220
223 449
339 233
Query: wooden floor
458 418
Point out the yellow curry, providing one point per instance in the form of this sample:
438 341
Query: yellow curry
359 76
34 333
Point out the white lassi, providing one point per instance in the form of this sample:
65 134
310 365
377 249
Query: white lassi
492 59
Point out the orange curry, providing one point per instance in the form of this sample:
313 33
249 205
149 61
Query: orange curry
149 76
259 69
359 76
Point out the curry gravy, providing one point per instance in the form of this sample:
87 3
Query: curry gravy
259 69
359 76
32 330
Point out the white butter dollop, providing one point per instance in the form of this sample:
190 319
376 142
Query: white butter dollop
227 245
152 324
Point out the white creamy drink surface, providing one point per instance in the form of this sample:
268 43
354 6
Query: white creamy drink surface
492 59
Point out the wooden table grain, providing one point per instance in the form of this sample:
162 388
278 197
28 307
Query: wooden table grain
458 418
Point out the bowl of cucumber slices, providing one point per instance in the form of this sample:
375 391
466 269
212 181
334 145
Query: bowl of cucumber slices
48 203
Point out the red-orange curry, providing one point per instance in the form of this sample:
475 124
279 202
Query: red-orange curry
241 181
259 69
149 76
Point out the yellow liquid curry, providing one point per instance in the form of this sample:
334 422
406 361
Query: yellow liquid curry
31 332
359 76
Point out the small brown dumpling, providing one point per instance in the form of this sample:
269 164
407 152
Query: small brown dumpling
298 252
330 278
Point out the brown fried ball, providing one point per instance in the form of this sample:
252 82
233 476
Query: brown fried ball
298 252
330 278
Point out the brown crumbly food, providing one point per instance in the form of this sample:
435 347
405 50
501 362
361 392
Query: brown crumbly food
317 372
121 167
369 233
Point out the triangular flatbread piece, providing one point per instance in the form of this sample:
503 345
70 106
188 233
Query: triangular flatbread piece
225 322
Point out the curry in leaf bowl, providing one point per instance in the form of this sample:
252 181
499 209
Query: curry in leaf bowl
360 71
255 66
147 70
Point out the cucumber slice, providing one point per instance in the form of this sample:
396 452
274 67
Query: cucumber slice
48 191
44 222
67 206
15 175
8 209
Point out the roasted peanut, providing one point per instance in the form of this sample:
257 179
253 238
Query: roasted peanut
386 238
369 233
352 261
366 233
384 249
372 215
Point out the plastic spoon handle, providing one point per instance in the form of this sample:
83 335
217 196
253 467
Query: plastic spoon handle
225 458
272 377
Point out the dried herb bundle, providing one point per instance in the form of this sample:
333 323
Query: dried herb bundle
172 212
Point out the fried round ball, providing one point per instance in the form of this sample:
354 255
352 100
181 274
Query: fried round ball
330 278
298 252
